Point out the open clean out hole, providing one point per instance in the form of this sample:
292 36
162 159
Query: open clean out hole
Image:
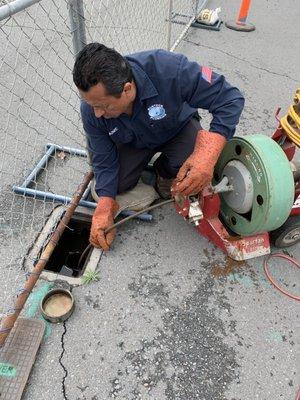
66 255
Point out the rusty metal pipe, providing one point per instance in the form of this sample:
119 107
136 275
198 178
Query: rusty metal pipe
8 321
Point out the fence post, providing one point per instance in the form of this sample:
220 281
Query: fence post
240 23
169 31
77 22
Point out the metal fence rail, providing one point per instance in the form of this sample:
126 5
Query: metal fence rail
39 103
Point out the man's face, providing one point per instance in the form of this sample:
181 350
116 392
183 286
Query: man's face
108 106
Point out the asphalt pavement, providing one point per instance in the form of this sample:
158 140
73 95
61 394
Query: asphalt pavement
171 317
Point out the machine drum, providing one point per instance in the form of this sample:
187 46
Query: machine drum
263 185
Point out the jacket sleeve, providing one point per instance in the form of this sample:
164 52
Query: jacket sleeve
103 152
202 88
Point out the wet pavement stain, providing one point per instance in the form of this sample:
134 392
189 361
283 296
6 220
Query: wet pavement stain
230 267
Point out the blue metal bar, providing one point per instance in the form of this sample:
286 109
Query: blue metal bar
38 194
50 150
36 170
70 150
73 151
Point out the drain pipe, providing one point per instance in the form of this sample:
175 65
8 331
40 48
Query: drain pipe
9 320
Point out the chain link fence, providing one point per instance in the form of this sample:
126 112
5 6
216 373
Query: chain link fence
39 105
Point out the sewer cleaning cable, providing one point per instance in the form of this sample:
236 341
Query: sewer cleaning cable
122 221
162 203
265 264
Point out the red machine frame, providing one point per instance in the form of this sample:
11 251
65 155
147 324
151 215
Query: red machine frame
210 225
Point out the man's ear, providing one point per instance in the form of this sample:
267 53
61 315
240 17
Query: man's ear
128 87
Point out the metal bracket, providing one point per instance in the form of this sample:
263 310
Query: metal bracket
51 149
222 186
195 212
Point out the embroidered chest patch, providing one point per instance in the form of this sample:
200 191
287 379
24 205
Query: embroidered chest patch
157 111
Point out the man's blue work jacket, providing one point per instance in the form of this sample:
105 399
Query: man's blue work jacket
170 88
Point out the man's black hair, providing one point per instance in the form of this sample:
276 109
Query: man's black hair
97 63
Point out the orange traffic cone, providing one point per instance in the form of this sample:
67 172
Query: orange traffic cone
240 23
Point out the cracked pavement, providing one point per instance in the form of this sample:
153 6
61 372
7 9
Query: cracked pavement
171 317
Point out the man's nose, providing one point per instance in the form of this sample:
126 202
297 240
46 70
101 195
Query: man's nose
98 112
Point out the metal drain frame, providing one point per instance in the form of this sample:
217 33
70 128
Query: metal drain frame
48 196
90 263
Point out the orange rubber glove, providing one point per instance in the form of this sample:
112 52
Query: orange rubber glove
103 218
197 171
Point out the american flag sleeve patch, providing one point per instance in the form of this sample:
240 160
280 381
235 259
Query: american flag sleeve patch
206 74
